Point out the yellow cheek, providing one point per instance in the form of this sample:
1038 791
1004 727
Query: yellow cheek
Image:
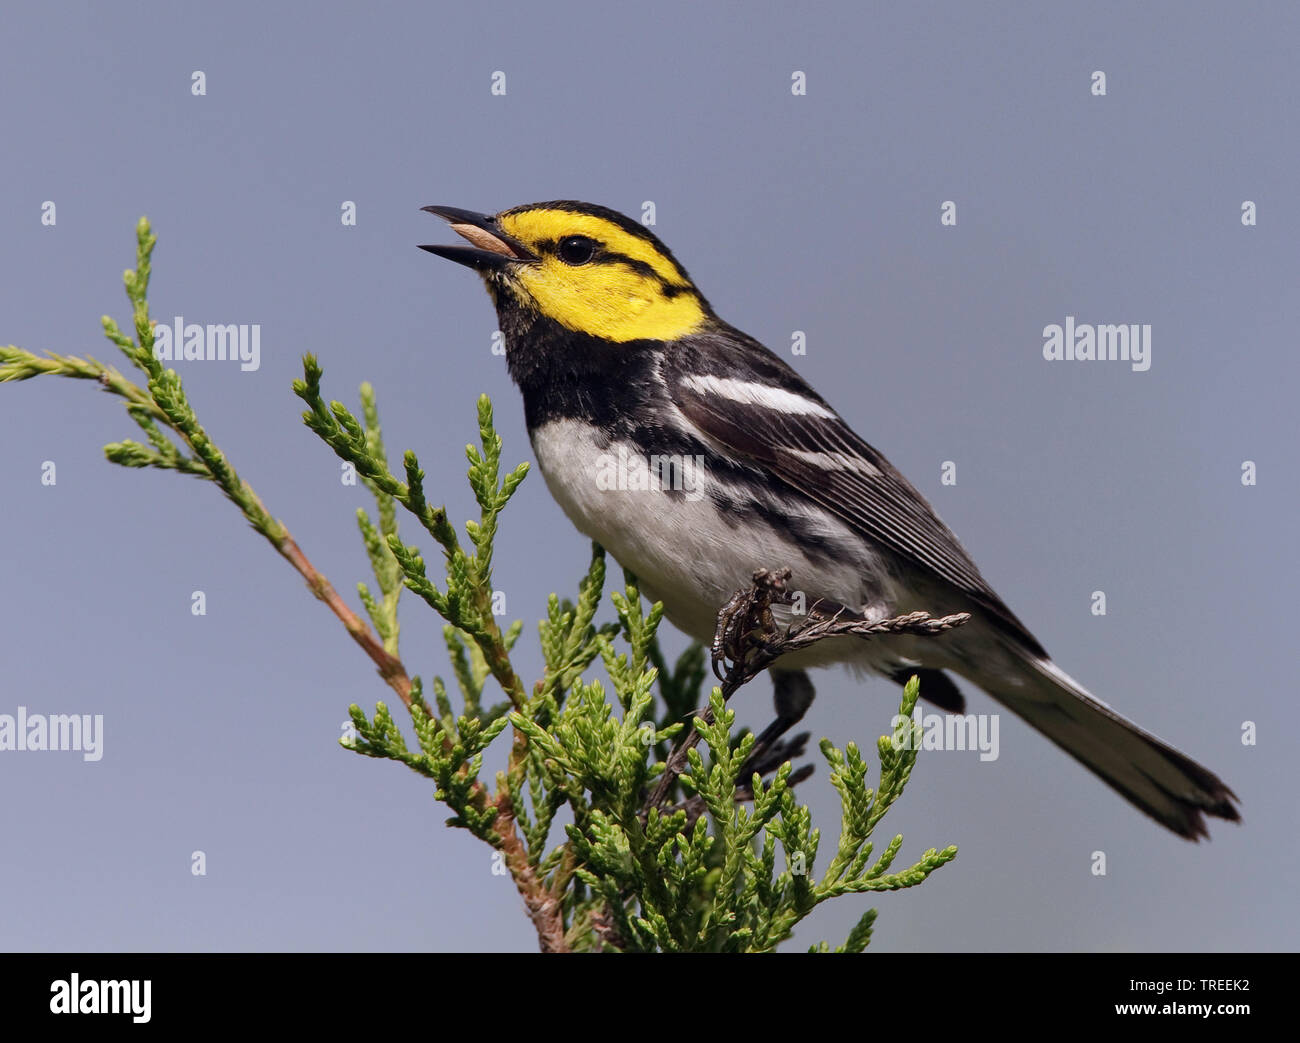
609 302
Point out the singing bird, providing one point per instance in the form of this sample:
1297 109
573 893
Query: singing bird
621 358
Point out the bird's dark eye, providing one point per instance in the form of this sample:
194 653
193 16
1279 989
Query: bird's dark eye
576 249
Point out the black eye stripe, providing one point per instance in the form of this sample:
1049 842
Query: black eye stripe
640 267
603 255
668 289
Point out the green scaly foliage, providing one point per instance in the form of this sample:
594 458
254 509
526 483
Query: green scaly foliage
595 869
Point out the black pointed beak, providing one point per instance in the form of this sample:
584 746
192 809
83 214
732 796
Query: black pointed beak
492 249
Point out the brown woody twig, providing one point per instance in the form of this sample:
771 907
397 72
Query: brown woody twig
748 640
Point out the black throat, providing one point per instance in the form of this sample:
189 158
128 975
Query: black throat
566 375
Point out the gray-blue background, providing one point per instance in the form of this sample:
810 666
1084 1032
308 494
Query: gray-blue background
816 213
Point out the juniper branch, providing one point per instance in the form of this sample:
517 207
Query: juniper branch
627 876
746 642
162 405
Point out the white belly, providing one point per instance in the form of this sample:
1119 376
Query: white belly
688 554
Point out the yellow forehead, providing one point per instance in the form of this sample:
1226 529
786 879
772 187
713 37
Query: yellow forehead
536 226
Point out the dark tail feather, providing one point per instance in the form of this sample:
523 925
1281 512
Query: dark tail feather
1156 778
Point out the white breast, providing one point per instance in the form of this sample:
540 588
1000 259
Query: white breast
684 551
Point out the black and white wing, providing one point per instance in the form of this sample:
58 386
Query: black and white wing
745 399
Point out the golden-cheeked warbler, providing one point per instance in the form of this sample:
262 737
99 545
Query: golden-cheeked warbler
623 365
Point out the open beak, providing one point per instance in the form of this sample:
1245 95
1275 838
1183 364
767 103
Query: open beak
491 248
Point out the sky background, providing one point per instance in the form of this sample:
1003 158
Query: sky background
817 213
